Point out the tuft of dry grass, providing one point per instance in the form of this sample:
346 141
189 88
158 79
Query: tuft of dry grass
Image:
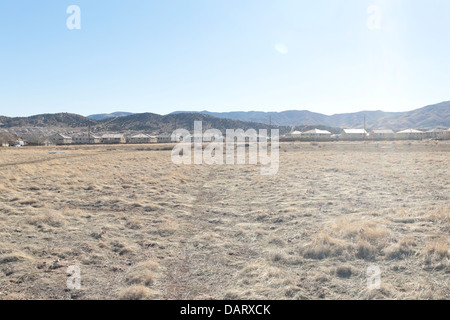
344 271
143 273
362 230
49 218
365 250
138 292
323 246
441 214
286 259
14 257
436 249
277 241
401 250
144 277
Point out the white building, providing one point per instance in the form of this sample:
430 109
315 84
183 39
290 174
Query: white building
381 134
87 139
113 138
60 139
411 134
294 135
142 138
435 133
165 138
353 134
316 134
446 134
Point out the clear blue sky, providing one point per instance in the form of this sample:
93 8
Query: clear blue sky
223 55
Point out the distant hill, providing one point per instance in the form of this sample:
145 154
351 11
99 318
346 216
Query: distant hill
57 120
103 116
155 122
148 122
285 118
427 117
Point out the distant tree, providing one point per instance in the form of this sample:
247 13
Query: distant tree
35 138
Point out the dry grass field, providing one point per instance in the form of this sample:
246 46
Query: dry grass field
140 227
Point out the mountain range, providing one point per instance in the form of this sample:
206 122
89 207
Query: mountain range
428 117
